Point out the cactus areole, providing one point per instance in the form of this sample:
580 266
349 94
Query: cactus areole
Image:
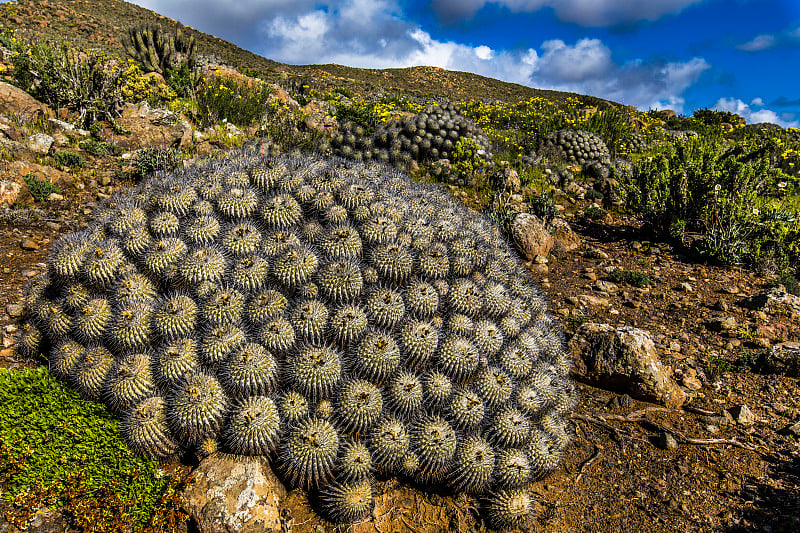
334 316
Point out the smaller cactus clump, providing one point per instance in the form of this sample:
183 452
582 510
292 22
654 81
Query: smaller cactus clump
428 136
577 146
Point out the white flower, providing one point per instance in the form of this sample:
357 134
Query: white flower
782 185
717 187
756 211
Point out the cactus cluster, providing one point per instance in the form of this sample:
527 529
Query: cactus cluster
635 142
157 49
430 135
334 316
578 146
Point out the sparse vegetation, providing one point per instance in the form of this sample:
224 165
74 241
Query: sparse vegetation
631 277
40 189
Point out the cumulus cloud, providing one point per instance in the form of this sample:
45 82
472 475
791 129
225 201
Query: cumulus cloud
757 102
592 13
758 43
587 67
734 105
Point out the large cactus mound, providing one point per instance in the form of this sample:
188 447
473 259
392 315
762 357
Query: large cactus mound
332 315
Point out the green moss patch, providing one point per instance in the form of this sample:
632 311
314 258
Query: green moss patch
57 449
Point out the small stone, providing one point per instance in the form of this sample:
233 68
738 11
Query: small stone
636 245
55 226
15 310
606 286
721 305
55 197
674 347
686 287
540 260
794 429
691 383
732 289
727 323
742 415
105 179
589 300
591 276
666 441
29 244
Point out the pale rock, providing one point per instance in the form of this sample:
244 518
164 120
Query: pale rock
531 236
624 359
234 494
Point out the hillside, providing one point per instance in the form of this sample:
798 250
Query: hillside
99 23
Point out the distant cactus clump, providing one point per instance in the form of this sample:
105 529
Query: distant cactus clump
334 316
430 135
157 49
577 146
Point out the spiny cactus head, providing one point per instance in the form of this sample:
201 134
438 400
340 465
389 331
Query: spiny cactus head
347 502
254 427
309 453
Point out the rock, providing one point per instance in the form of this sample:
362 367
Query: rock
666 441
15 310
773 300
16 102
794 429
55 197
531 236
589 300
66 127
39 143
12 192
282 97
692 383
742 415
507 179
29 244
234 494
564 239
686 287
322 123
783 358
623 359
153 127
726 323
597 253
606 286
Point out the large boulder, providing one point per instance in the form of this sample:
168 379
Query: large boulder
623 359
153 127
782 358
775 300
234 494
564 239
531 236
16 102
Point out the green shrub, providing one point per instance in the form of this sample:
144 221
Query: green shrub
592 194
57 449
542 206
225 99
95 147
40 189
594 212
359 112
84 81
631 277
713 187
151 159
68 158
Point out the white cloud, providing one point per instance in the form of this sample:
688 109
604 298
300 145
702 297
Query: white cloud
734 105
758 43
593 13
587 67
484 52
757 102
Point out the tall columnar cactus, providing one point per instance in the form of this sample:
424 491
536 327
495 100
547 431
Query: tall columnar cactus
157 49
334 316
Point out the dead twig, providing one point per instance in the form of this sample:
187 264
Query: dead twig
589 461
637 417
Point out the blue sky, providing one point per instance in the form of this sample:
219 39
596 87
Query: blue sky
732 55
